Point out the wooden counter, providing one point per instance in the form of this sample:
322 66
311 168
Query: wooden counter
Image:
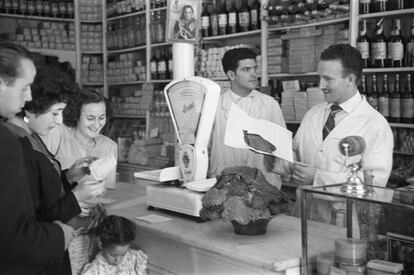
183 246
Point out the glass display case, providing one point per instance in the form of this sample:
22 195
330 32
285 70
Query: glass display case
357 233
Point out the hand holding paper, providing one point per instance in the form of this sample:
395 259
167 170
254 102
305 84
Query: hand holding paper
262 136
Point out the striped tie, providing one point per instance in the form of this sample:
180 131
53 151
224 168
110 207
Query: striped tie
330 122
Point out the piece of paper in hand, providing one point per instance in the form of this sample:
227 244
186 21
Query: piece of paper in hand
239 121
101 168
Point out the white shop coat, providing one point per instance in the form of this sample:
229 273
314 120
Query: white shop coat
363 120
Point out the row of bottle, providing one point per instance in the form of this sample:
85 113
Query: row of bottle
307 7
227 18
369 6
124 33
120 7
55 8
159 104
161 64
394 99
380 52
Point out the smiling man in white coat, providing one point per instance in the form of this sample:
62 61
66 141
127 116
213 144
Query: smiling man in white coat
346 112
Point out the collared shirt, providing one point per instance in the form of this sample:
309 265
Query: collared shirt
347 108
257 105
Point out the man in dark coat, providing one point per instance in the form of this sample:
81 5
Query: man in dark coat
26 245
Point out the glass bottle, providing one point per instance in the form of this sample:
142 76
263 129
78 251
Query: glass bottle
31 8
15 6
254 8
364 6
395 101
162 66
383 98
373 94
46 8
154 65
363 89
54 9
363 43
379 46
23 7
380 5
407 102
70 9
244 17
63 13
39 7
205 21
409 55
131 32
232 18
222 18
137 32
396 45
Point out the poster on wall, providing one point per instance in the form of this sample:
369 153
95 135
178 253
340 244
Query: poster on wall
183 21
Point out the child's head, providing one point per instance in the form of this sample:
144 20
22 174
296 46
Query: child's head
116 234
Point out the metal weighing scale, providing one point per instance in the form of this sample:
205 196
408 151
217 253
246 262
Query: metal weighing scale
192 102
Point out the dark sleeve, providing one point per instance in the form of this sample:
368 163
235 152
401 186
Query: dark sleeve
22 237
55 203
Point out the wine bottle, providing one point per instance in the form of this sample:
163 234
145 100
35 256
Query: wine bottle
407 102
213 22
380 5
363 89
379 46
244 17
154 66
222 18
363 43
254 15
395 101
373 94
162 66
396 45
232 18
364 6
383 99
137 32
409 55
205 21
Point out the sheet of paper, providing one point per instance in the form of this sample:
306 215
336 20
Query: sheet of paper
153 218
238 120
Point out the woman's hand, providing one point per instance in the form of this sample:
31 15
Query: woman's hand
79 169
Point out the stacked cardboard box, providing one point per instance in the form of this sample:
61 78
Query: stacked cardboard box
274 55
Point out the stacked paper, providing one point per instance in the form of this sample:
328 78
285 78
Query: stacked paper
288 106
300 101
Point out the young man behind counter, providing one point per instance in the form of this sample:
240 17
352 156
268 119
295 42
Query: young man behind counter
345 113
241 69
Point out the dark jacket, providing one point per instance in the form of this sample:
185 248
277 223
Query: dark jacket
26 244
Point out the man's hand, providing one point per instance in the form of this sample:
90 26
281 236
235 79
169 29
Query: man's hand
87 190
79 169
303 173
68 232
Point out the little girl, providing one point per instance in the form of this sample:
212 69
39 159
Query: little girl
115 235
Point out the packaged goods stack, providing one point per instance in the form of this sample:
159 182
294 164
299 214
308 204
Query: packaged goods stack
46 35
274 55
90 10
315 96
300 100
330 35
302 49
91 37
288 106
131 101
126 68
92 69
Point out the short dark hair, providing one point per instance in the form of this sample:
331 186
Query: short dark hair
72 112
10 56
49 87
349 57
116 230
232 57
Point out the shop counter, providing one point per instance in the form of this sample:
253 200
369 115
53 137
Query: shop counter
183 246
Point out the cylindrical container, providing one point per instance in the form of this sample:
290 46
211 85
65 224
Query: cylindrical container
350 251
324 263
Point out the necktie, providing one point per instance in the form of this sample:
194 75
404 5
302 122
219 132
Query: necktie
330 122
